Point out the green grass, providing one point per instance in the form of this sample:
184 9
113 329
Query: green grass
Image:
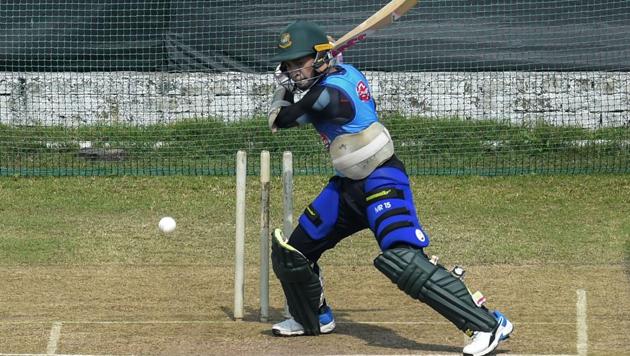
575 219
206 146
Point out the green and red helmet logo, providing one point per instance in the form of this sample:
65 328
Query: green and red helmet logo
285 40
299 39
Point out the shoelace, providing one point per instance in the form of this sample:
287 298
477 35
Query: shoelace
475 334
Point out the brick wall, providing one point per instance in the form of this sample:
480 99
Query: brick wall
585 99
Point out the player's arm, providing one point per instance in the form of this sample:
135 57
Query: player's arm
320 103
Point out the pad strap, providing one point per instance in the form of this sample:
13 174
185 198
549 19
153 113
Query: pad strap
433 284
302 286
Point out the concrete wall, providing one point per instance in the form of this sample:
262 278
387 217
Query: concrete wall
585 99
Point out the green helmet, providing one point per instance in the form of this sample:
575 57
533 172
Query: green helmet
300 39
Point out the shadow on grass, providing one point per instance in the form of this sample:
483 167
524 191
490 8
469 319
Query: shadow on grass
380 336
373 335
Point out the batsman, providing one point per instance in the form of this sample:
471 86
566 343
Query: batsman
370 189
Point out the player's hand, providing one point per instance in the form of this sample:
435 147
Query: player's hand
277 103
338 59
271 118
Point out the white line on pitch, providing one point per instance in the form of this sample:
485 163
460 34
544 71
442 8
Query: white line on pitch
376 322
582 327
445 322
183 322
419 354
53 340
73 355
442 354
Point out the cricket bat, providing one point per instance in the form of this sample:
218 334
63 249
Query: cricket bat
382 18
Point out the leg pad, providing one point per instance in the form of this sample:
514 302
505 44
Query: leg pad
432 284
300 283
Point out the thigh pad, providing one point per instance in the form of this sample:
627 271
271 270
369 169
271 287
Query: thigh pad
391 211
320 216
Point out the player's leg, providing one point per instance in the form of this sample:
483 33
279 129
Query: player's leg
303 289
392 218
324 223
410 269
389 207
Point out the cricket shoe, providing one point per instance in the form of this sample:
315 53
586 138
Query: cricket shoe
485 342
290 327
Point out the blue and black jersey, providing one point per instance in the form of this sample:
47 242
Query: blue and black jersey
340 103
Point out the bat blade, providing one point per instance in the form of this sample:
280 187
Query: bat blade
382 18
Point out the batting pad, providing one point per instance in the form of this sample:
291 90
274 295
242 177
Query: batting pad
300 283
434 285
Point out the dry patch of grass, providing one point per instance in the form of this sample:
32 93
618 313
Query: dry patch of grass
187 310
87 252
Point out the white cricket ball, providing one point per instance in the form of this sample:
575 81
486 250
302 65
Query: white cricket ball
167 224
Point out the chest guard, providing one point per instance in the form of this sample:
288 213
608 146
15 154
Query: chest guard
358 154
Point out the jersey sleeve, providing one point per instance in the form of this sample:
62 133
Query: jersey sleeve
320 103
